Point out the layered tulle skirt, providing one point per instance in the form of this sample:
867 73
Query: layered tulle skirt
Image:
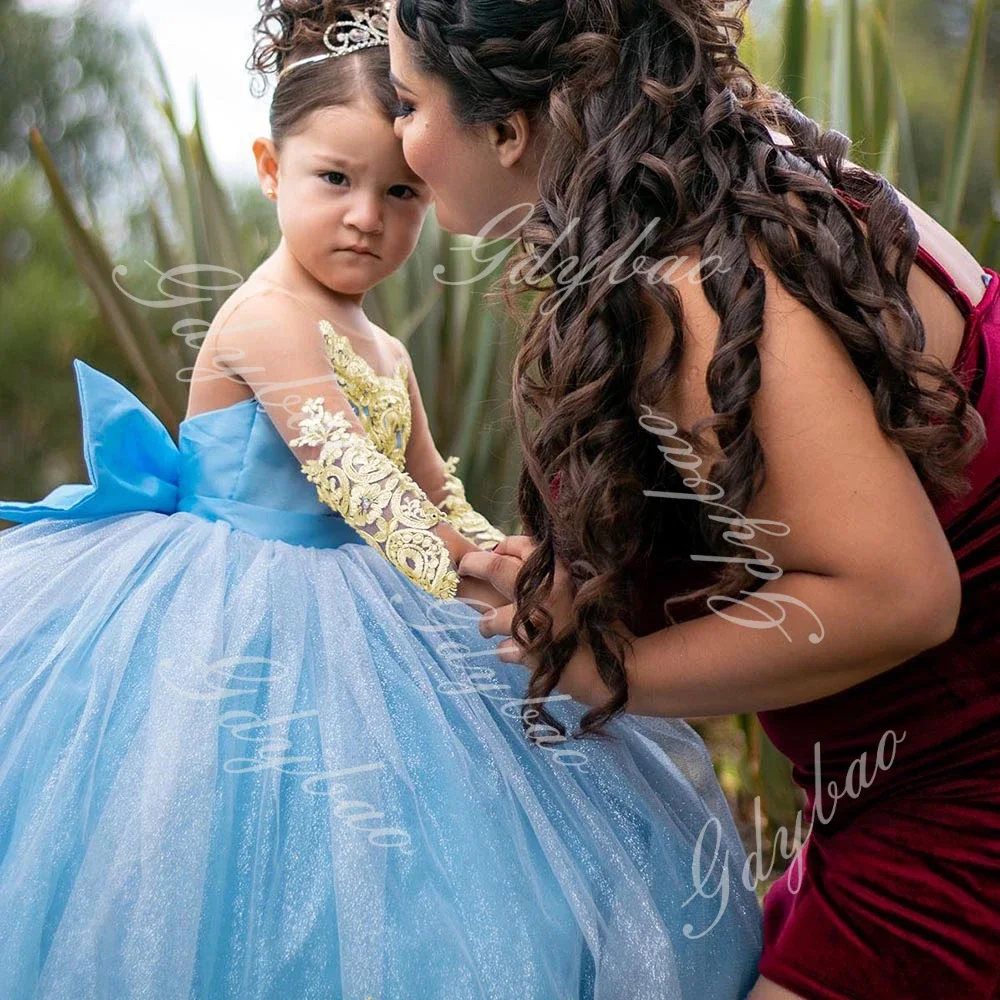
238 768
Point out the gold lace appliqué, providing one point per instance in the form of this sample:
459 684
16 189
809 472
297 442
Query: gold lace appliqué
378 499
462 515
381 402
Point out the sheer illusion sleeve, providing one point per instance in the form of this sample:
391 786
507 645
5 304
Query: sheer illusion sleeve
462 516
438 477
277 348
378 500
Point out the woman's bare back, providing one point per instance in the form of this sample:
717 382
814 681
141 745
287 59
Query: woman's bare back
943 321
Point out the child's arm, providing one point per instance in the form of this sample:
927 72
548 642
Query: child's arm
277 348
436 476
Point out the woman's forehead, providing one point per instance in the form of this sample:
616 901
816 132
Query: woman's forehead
403 68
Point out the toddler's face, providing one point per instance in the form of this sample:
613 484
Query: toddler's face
342 181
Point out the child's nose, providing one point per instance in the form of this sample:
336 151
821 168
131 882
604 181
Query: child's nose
365 213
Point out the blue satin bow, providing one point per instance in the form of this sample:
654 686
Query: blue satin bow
132 461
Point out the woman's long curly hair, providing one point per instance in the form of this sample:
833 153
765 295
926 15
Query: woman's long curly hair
648 113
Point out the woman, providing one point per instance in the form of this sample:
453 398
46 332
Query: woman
763 488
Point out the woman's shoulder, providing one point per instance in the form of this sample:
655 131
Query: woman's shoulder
944 324
955 257
813 422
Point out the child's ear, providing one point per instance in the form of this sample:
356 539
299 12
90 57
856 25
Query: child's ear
266 155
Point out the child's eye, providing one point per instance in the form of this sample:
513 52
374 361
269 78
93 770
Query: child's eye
403 110
403 187
335 173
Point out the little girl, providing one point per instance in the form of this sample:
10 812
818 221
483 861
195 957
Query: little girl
249 746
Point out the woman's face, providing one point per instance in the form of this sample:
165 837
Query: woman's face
472 177
342 181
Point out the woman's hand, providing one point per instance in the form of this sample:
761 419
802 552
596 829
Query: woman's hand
499 569
480 595
580 679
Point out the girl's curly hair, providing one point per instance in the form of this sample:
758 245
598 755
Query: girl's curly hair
290 30
648 113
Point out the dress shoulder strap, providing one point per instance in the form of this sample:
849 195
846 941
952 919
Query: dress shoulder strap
927 263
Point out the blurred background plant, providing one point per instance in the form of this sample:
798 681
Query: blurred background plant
112 211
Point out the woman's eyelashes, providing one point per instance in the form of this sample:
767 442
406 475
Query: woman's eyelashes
402 191
403 110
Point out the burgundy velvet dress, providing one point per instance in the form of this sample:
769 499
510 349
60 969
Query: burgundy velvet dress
898 890
895 894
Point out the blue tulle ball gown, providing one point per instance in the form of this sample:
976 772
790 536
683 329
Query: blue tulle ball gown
243 756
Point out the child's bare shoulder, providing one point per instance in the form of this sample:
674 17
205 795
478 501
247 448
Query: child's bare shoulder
264 309
393 345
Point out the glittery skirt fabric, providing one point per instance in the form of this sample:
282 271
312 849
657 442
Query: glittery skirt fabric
233 767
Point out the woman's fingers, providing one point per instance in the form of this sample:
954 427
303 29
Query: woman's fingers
478 594
498 566
500 621
511 652
497 621
499 571
516 545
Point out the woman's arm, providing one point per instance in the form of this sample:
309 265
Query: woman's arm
714 665
865 565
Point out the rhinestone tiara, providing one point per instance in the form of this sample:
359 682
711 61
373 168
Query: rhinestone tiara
362 30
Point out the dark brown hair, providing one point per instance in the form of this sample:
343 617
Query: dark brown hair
290 30
650 113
